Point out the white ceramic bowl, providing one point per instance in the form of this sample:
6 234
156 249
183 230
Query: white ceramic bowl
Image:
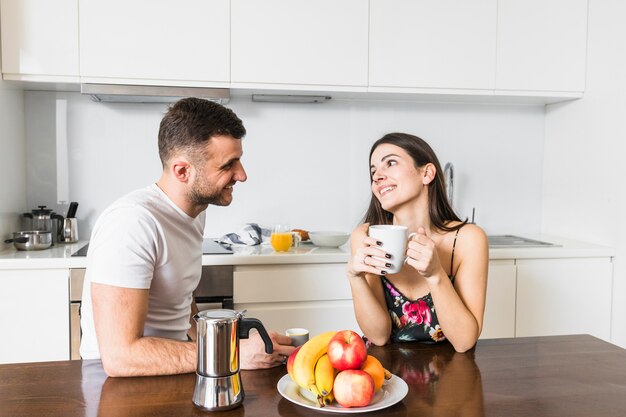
329 239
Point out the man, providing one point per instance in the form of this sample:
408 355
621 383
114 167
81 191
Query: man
145 252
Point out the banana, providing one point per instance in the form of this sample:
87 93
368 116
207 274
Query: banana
324 375
306 359
328 399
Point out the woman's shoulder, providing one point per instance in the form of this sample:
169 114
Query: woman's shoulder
470 247
469 233
474 231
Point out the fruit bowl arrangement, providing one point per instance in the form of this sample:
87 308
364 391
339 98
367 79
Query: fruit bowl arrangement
335 367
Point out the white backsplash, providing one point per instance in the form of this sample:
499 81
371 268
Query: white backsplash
307 163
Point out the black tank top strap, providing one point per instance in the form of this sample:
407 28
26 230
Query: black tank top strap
453 246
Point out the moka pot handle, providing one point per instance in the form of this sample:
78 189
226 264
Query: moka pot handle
245 324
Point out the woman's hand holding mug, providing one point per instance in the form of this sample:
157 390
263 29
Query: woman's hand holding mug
393 240
365 248
422 254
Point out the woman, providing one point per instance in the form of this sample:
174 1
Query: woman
439 293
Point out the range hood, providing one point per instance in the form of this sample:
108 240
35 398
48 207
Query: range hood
120 93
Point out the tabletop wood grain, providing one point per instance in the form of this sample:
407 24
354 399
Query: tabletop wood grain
542 376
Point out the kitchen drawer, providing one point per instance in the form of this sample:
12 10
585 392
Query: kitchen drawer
280 283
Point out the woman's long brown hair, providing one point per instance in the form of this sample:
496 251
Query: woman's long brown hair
440 211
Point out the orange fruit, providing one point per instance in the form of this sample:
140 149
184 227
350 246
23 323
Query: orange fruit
375 369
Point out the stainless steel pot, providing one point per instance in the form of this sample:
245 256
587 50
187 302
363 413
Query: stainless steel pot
31 240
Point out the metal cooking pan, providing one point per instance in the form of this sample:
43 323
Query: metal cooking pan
31 240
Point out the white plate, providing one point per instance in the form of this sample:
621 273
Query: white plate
393 391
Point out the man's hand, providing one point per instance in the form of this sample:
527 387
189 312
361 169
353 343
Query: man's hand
252 352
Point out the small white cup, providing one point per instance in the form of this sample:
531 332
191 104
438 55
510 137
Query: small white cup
299 336
394 240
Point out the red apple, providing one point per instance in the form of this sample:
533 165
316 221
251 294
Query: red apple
353 388
290 361
346 350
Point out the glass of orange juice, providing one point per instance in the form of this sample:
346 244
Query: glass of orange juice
281 238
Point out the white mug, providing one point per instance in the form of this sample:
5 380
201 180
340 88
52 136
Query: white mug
394 240
299 336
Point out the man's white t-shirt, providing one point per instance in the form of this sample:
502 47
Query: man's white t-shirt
145 241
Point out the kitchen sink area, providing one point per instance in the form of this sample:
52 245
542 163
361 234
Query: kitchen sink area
512 241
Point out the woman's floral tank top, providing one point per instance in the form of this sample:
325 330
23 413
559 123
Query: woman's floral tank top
413 320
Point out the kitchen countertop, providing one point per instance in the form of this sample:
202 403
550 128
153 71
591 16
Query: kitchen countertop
57 256
567 248
306 253
574 376
60 256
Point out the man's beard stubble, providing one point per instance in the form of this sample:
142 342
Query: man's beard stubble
206 194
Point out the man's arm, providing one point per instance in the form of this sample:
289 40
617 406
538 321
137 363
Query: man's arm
119 317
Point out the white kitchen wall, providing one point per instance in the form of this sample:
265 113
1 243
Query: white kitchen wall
584 196
307 164
12 160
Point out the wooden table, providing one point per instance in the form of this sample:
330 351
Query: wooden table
564 376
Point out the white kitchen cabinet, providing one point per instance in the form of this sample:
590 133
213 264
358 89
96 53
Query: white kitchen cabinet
34 306
316 316
299 44
532 51
499 318
564 296
40 40
183 43
446 44
542 45
313 296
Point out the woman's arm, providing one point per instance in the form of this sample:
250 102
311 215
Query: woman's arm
363 273
369 308
459 307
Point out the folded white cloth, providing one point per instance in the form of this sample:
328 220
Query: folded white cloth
251 234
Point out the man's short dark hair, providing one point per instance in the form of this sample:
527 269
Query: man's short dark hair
191 122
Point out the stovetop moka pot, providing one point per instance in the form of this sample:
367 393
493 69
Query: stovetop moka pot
218 383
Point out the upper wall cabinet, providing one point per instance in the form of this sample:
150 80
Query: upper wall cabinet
425 44
40 40
542 45
299 44
182 43
479 51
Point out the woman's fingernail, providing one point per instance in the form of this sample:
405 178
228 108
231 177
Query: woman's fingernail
379 243
388 265
388 256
